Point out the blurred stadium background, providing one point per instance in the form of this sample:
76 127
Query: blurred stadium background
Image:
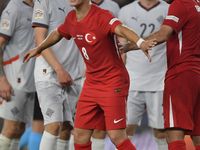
143 138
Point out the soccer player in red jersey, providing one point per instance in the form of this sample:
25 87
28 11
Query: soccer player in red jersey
102 104
182 82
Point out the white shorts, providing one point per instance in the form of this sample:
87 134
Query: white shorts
138 101
20 108
57 104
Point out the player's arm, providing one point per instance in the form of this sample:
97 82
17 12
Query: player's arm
63 77
161 36
53 38
123 41
5 87
130 35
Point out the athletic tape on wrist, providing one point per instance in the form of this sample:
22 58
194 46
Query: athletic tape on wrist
139 42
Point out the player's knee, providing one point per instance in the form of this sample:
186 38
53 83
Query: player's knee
99 134
12 130
55 127
130 130
81 137
196 140
159 134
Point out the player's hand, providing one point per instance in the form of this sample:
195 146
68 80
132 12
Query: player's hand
29 55
146 46
125 47
5 89
64 78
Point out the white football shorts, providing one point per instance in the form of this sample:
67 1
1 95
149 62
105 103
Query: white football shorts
58 104
20 108
138 101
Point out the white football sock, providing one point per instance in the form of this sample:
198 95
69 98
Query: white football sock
130 137
71 143
62 145
15 144
4 143
161 144
98 144
48 142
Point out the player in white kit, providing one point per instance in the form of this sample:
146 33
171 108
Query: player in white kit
17 88
57 97
146 78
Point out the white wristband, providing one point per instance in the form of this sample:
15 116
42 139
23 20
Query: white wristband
139 42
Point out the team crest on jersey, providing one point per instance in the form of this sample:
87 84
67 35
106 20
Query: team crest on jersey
6 24
174 18
39 14
91 38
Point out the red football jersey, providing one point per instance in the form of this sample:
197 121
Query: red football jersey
183 47
94 35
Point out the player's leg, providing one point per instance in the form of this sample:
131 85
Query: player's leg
21 106
82 139
10 129
196 141
98 140
180 97
63 141
37 127
154 103
72 95
51 97
89 116
135 109
160 139
115 119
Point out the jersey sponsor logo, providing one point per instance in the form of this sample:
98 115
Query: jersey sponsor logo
39 14
135 18
6 24
39 1
174 18
7 12
116 121
117 90
90 38
62 9
198 8
112 21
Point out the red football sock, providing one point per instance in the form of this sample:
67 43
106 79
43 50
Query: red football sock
83 146
198 147
177 145
126 145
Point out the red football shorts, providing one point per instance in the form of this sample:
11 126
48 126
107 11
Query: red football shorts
182 103
101 113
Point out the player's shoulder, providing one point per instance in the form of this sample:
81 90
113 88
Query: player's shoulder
13 8
129 6
164 4
113 3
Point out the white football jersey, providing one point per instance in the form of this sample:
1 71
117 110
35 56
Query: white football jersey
51 14
110 5
15 26
145 75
